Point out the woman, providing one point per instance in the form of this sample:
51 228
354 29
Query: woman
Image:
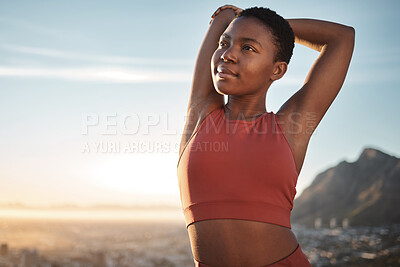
238 163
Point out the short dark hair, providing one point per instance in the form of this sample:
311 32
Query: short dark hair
279 27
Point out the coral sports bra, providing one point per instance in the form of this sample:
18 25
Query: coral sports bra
234 169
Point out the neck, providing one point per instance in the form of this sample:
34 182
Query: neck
244 107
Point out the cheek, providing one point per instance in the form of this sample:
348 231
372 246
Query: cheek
259 71
254 74
215 57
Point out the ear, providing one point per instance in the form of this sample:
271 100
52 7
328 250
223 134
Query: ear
280 69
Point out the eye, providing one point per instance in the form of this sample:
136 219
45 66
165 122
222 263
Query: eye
251 48
221 43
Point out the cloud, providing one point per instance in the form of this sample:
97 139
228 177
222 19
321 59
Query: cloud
54 53
121 75
103 73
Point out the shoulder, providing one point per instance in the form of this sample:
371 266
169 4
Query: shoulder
195 118
200 115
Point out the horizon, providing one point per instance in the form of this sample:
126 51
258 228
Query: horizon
133 205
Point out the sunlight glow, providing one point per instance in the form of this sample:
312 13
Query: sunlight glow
104 215
140 173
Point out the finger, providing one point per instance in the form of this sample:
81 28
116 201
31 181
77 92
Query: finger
230 6
226 7
234 8
238 11
215 13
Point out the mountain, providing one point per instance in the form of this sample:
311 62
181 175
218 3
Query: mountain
366 192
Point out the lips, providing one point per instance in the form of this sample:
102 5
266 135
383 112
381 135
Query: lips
225 70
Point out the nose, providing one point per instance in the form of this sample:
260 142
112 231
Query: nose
229 55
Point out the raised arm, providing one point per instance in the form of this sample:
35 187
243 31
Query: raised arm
306 108
202 88
203 97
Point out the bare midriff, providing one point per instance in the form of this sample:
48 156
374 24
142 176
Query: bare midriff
233 242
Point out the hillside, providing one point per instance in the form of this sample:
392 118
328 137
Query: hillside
366 191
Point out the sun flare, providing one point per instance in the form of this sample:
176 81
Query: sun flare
139 173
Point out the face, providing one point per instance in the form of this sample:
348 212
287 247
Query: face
246 50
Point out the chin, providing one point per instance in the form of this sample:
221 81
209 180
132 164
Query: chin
222 90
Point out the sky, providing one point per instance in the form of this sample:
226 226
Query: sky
93 94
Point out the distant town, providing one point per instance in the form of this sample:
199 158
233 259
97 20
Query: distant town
158 244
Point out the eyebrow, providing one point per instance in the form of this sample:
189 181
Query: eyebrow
243 39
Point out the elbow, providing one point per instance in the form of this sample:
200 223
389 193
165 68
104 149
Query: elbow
348 35
343 34
351 29
350 39
350 32
345 38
